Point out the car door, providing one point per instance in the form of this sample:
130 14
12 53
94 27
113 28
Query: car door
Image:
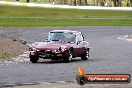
79 44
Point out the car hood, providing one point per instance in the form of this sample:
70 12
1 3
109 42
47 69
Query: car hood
49 45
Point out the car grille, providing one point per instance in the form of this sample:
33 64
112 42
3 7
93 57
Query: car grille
44 52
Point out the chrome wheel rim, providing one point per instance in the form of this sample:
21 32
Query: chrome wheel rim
70 56
87 54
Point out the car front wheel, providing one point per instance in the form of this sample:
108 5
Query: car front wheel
85 56
34 59
68 58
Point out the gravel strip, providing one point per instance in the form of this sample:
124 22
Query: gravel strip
10 48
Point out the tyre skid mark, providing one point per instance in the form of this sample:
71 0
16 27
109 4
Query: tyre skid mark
35 83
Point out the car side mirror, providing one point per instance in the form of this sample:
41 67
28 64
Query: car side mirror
46 39
78 42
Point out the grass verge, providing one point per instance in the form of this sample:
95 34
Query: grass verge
64 22
5 55
10 48
36 16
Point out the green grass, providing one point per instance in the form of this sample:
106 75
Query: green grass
35 16
5 55
63 22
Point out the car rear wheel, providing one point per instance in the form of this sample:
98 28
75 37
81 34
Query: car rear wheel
34 59
68 58
85 56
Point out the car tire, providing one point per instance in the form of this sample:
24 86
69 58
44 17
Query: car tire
68 58
85 56
34 59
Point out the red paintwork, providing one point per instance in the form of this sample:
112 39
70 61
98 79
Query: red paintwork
49 45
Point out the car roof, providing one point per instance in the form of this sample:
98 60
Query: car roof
66 31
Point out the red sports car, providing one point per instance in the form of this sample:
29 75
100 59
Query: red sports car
60 45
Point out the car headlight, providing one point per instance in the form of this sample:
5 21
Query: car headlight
63 48
33 49
59 49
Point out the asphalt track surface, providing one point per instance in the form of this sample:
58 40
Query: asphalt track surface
107 55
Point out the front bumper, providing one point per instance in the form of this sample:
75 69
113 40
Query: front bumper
46 54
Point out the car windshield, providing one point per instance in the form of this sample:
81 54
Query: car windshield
60 36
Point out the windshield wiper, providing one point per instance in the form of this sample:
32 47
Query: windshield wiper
55 40
58 40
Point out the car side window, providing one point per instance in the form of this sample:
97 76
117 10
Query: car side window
79 37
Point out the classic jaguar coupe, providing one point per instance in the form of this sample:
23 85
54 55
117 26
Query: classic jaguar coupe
60 45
